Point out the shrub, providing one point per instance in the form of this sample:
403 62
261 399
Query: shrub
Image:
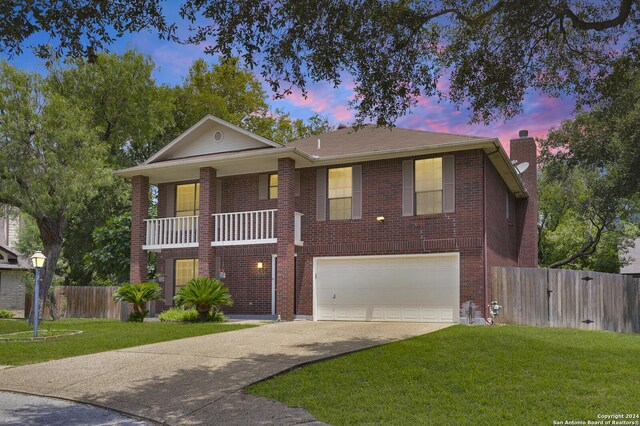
4 314
190 315
204 294
138 295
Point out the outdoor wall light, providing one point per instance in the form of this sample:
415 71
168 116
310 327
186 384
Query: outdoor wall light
380 219
260 265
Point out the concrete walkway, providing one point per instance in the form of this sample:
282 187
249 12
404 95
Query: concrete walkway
199 380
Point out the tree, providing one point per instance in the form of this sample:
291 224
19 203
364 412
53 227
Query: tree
492 52
109 260
129 111
232 93
50 157
583 225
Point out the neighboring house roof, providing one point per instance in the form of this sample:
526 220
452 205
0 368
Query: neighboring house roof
11 259
181 161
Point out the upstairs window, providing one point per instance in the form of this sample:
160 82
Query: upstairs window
428 186
340 191
273 186
188 199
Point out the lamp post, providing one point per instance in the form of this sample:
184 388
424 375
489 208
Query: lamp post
37 260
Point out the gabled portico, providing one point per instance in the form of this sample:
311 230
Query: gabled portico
202 229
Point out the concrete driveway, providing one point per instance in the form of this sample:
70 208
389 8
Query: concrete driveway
198 380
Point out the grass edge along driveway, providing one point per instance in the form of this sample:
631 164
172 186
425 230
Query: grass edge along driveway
98 335
471 375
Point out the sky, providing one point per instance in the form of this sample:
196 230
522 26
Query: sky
540 112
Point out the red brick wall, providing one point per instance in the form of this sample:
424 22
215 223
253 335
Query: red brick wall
206 253
139 212
501 233
249 201
461 231
285 233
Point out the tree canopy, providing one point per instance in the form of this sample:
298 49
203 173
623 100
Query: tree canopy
51 158
589 190
491 52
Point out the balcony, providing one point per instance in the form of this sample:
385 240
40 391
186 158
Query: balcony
171 232
229 229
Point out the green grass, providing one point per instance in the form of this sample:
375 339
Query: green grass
471 375
97 335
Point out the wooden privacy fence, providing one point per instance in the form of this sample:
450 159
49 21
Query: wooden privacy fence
83 302
567 298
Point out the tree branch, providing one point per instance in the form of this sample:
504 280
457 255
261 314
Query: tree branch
588 249
623 14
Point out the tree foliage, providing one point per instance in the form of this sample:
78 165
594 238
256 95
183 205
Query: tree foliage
491 52
50 157
583 225
204 294
109 260
138 295
232 93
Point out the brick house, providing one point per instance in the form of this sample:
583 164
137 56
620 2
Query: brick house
374 224
12 264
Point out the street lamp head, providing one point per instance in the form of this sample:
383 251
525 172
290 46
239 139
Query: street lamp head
37 260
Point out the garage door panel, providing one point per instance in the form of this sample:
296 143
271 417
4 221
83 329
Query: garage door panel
388 288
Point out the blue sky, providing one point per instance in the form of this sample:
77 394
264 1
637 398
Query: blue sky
173 61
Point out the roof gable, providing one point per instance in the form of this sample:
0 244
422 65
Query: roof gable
211 135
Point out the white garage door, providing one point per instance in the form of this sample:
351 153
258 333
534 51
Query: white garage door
416 288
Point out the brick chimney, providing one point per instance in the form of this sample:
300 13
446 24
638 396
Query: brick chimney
523 149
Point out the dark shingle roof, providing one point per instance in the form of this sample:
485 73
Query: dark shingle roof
372 139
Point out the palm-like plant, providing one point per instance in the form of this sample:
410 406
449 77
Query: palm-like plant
204 294
138 295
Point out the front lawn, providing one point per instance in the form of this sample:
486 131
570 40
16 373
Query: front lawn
472 375
97 335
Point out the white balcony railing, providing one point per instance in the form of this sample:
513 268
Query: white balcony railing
171 232
229 229
241 228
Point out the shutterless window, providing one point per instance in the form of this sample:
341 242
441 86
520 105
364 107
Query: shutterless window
428 186
273 186
340 193
186 269
188 199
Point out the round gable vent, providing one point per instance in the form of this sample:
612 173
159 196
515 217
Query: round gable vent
218 136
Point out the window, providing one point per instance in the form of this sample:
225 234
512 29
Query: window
273 186
186 269
428 186
340 193
188 199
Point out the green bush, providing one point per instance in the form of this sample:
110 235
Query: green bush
190 315
4 314
138 295
204 294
